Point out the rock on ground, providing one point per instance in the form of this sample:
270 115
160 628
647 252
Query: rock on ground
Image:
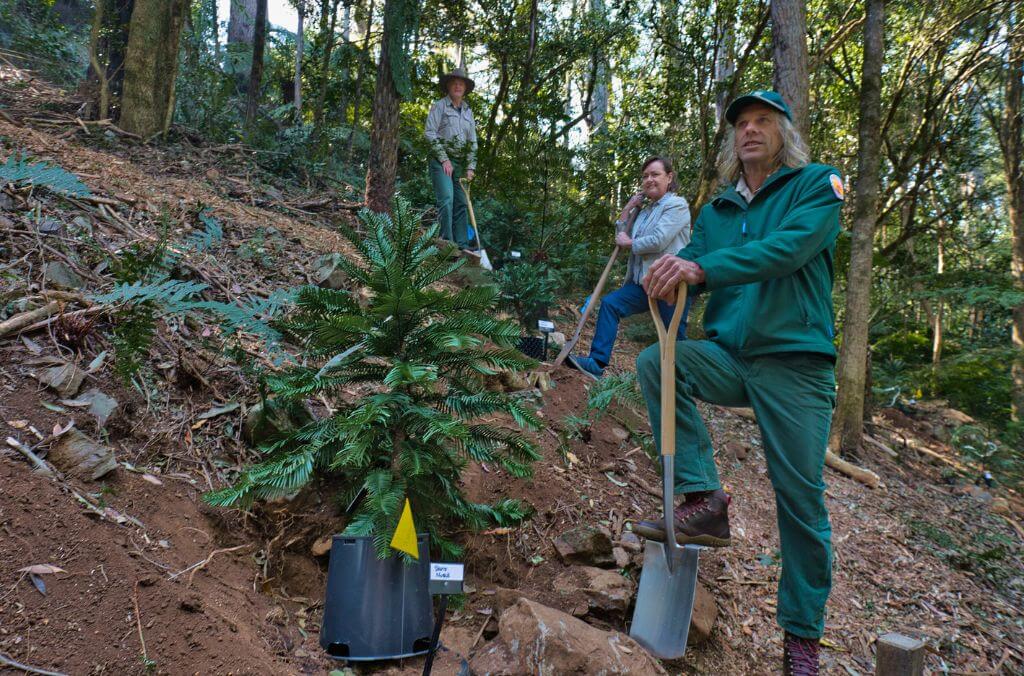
605 590
536 639
587 545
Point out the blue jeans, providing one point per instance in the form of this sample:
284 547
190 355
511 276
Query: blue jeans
626 301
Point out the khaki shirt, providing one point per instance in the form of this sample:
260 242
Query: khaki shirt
451 130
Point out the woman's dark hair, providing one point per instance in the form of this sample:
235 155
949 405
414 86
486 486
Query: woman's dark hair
667 164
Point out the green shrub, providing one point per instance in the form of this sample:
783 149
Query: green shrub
978 383
528 290
421 351
907 346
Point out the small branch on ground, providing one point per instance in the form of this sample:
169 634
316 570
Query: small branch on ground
41 465
20 321
865 476
199 565
4 659
138 622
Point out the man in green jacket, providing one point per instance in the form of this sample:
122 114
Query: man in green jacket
763 248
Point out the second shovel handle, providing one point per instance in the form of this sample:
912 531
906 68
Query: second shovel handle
667 347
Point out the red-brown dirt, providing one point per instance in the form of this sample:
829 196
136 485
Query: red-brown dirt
924 556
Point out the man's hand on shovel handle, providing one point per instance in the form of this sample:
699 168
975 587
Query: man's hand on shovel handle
665 274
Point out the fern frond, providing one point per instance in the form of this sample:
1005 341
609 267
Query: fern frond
17 169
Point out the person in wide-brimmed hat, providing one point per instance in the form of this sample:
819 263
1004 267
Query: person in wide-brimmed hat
451 132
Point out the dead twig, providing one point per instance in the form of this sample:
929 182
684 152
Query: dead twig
199 565
41 465
20 321
138 621
4 659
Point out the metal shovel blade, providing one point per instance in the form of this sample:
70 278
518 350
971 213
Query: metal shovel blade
664 604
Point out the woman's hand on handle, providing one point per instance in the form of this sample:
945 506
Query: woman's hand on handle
662 279
470 174
623 240
634 203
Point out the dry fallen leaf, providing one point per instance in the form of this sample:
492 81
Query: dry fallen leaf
152 479
42 569
18 424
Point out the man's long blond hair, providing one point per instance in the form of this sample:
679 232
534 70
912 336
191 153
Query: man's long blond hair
793 153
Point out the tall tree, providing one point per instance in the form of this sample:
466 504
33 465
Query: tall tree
151 65
328 23
259 43
847 422
299 44
1011 142
108 43
242 22
360 71
599 77
789 55
392 83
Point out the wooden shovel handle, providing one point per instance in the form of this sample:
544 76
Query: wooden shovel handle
667 345
590 307
472 216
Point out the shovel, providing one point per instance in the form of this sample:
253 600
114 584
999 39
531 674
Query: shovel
485 262
668 582
594 297
571 343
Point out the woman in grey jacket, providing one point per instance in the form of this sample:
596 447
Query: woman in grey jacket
451 132
647 230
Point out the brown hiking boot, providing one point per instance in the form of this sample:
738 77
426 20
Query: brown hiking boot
799 656
702 519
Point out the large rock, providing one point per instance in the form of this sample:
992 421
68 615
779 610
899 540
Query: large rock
62 275
606 591
536 639
705 612
329 274
65 379
262 425
76 454
586 545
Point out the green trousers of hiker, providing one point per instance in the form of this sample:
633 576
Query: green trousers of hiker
792 394
451 203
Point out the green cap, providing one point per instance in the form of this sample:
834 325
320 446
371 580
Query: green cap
768 97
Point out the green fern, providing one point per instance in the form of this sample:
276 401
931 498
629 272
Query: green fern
422 350
17 169
208 238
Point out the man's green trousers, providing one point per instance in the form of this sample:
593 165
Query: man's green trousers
451 203
792 395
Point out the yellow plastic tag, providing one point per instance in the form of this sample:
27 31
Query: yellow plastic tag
404 539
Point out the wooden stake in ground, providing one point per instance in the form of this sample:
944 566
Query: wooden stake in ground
899 656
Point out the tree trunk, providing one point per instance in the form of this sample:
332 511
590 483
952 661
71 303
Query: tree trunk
107 46
346 53
937 318
151 66
242 22
599 87
789 55
259 43
382 164
847 422
363 58
1012 142
725 66
299 44
327 25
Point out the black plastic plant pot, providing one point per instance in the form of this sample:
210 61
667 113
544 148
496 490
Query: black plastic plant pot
374 609
532 347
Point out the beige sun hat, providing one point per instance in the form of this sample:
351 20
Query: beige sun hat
457 73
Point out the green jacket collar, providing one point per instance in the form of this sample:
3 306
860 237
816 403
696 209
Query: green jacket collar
773 181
